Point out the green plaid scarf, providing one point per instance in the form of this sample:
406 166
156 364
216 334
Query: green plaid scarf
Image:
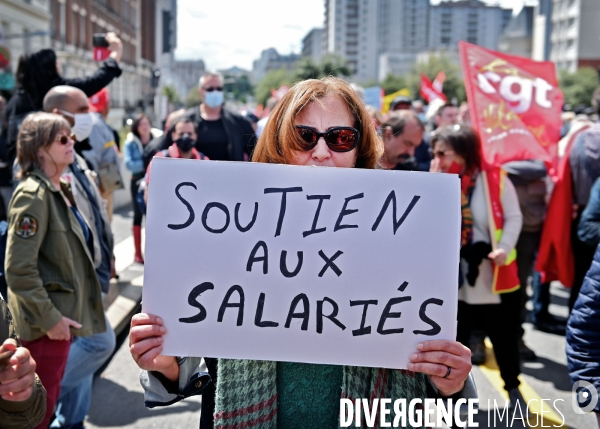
246 394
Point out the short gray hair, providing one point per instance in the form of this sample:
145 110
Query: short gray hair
208 74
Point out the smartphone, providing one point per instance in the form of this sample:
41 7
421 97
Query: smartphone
99 40
5 359
100 44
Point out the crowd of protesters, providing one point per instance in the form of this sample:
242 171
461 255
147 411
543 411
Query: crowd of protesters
60 166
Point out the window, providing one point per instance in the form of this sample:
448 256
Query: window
166 18
82 32
74 33
63 22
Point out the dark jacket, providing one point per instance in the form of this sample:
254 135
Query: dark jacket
589 225
583 335
49 269
528 177
20 414
22 103
239 133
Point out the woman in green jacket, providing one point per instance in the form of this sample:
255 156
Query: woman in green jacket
53 289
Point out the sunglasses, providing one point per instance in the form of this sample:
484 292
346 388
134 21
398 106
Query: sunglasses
213 88
338 139
65 139
441 153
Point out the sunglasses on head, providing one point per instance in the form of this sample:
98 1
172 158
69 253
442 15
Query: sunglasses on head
65 139
213 88
338 139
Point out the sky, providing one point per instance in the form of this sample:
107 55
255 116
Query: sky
226 33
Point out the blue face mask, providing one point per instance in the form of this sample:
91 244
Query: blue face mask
214 99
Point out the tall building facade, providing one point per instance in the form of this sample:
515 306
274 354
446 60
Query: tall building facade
312 44
378 37
24 28
188 73
517 38
470 20
575 34
542 30
269 60
351 32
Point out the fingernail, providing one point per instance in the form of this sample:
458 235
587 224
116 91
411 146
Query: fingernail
160 339
163 330
411 366
413 356
420 346
159 320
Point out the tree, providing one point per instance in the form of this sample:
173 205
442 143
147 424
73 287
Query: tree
240 86
170 92
578 87
306 68
335 65
272 80
193 98
453 85
393 83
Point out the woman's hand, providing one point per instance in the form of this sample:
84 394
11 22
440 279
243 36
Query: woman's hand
115 46
145 345
435 166
17 378
435 358
498 256
61 331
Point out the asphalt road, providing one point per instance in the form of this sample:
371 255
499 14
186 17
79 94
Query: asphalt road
118 402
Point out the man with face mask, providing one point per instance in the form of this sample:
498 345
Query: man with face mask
87 354
183 135
221 134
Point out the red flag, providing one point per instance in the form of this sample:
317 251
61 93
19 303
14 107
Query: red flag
438 82
515 104
428 92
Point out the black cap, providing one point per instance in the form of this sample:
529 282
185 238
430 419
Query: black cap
401 99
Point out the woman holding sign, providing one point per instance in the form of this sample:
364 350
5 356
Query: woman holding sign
489 286
317 123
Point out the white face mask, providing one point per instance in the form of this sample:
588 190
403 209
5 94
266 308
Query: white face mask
83 124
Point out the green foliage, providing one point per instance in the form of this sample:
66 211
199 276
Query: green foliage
306 68
393 83
171 93
272 80
578 87
239 87
193 98
335 65
453 86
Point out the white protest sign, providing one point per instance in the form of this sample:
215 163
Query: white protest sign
301 264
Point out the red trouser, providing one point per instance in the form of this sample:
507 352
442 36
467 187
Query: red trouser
51 359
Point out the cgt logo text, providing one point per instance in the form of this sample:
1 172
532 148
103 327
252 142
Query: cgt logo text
433 412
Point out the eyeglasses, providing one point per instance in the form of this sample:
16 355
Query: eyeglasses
65 139
213 88
442 153
338 139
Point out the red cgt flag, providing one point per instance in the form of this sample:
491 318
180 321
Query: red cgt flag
515 104
428 90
